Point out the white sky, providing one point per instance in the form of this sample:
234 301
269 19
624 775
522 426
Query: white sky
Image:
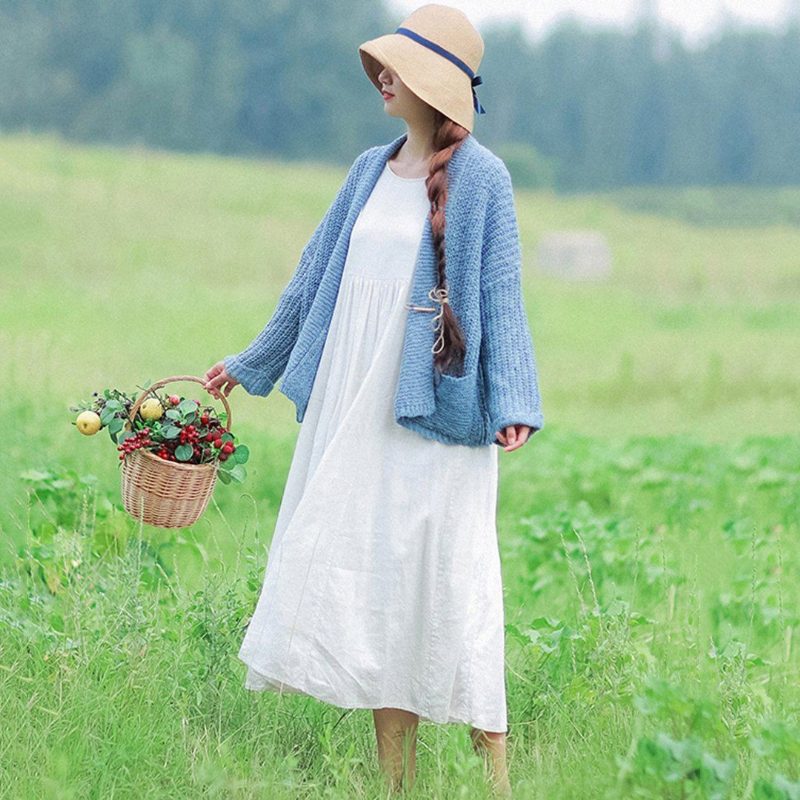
694 18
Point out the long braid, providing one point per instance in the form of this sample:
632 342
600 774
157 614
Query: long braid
448 136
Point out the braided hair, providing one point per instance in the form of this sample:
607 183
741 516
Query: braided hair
450 350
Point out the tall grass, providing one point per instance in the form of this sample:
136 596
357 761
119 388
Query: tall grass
651 615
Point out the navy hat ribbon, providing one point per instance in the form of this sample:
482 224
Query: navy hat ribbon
476 79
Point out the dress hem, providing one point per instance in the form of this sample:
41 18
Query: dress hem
272 683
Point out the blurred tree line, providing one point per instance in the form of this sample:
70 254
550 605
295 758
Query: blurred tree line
582 108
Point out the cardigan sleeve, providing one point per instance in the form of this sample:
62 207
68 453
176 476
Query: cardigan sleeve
506 353
258 367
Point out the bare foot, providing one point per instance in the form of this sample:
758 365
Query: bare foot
396 734
492 746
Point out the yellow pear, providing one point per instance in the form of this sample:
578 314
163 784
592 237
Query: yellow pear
88 423
151 408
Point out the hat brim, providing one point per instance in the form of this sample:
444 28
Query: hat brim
430 76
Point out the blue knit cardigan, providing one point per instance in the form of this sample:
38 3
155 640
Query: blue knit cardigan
499 384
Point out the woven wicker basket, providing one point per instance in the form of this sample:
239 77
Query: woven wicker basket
163 493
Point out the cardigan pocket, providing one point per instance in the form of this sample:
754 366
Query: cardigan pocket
486 434
457 405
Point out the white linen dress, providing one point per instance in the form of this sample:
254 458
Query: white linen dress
383 580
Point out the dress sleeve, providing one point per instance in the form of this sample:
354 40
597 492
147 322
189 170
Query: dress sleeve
258 367
507 353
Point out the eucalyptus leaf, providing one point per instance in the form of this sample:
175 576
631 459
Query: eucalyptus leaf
238 473
187 407
184 452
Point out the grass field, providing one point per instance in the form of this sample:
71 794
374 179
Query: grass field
649 533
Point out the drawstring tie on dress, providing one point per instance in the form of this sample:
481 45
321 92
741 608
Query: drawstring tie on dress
439 296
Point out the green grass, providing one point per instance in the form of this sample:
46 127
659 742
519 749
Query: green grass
648 533
715 205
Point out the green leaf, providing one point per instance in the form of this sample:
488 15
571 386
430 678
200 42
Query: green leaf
238 473
187 407
241 454
184 452
170 432
224 476
115 426
35 475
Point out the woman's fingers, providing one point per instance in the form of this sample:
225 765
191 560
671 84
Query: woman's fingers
212 372
514 441
514 436
216 378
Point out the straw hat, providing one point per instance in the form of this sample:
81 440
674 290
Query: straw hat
436 52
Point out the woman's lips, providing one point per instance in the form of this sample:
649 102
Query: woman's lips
387 95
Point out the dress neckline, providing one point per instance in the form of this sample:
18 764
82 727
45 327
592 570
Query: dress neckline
400 177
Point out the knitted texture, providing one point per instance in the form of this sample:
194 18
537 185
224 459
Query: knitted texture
499 383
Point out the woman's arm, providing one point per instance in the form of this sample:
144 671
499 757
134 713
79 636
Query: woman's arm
507 353
258 367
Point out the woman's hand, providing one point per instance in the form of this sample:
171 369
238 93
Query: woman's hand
216 378
514 436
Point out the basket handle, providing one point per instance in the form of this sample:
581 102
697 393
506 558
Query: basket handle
164 382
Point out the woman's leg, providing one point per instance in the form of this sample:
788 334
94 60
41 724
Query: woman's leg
396 732
492 746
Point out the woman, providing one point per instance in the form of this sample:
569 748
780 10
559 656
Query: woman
407 360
